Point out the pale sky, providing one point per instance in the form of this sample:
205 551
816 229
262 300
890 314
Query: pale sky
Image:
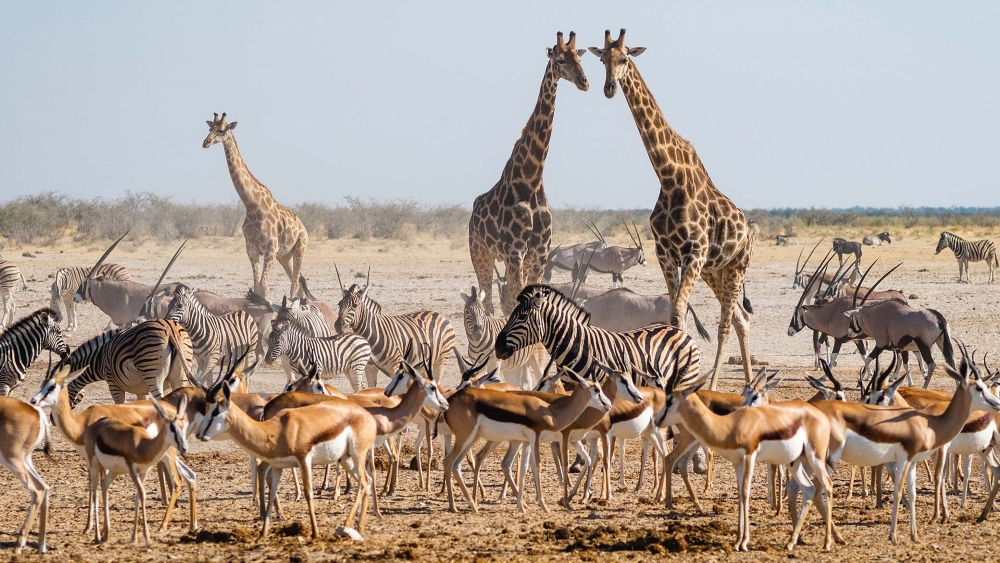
827 104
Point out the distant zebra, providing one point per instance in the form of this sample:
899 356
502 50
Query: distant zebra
391 335
544 314
877 240
482 329
219 340
146 359
340 354
67 282
969 251
21 343
9 276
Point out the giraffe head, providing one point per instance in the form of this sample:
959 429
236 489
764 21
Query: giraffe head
565 59
217 130
615 56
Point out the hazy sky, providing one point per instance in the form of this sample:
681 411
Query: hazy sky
788 103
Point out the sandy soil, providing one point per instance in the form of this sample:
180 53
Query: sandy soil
427 274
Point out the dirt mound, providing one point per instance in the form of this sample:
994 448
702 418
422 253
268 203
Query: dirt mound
207 536
674 537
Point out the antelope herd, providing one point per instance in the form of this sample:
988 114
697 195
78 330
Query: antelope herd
571 365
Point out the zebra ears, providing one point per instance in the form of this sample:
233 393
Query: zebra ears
481 296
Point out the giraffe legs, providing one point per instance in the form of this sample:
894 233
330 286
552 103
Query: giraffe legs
482 263
265 272
726 285
515 281
292 264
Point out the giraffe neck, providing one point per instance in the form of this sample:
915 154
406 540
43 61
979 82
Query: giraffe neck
667 150
528 157
254 195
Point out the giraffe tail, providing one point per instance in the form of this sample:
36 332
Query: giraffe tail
746 300
697 324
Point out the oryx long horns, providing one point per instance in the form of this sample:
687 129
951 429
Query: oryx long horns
105 255
872 288
596 232
636 239
798 270
167 269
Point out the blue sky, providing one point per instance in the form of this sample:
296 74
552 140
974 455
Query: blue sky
788 103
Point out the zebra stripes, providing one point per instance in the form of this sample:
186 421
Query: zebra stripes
67 282
969 251
340 354
9 276
307 318
219 340
481 330
543 314
390 335
138 360
21 343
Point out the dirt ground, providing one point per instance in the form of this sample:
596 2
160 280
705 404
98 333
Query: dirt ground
428 274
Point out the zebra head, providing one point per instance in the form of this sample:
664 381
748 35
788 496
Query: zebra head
181 305
539 309
53 340
943 242
351 308
275 342
475 314
22 342
217 130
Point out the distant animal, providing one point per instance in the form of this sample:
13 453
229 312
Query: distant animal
754 227
786 240
568 257
271 231
615 260
842 247
877 240
9 276
969 251
66 283
622 310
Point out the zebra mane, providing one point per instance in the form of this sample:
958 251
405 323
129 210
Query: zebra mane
557 299
85 350
366 301
24 324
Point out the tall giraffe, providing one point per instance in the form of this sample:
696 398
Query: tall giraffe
271 231
512 223
698 230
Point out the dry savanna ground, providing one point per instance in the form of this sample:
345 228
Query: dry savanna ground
428 274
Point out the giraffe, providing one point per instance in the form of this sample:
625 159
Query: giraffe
698 230
271 231
512 223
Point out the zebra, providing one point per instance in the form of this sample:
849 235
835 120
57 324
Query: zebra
68 281
389 335
544 314
9 275
481 330
346 354
21 343
142 360
969 251
220 341
304 316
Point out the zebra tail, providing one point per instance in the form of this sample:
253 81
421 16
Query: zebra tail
946 347
746 300
179 357
700 327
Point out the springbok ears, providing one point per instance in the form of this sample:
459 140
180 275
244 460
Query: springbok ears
70 377
182 406
817 384
595 50
158 407
954 374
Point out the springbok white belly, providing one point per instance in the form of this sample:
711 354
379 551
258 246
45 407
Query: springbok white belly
331 451
783 452
863 452
496 431
968 443
116 465
633 428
